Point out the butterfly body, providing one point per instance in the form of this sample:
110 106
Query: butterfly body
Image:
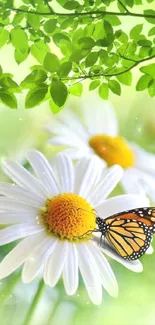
129 232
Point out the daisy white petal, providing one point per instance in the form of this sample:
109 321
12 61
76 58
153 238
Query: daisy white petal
7 204
143 160
70 272
78 153
72 121
55 263
99 116
86 172
18 255
121 203
22 177
37 258
106 185
45 172
135 266
20 194
90 273
130 182
150 250
17 217
66 173
70 140
12 233
148 184
107 276
57 128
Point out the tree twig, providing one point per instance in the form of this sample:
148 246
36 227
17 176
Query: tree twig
90 13
120 2
136 63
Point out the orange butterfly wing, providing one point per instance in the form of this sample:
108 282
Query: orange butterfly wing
131 232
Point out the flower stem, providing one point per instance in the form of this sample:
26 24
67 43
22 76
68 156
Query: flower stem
34 304
8 289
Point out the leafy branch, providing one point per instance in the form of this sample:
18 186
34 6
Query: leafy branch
102 13
92 46
136 63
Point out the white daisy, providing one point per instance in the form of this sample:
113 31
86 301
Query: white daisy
50 210
93 129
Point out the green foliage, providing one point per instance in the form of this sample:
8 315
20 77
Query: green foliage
73 45
51 63
76 89
104 91
35 96
58 91
115 87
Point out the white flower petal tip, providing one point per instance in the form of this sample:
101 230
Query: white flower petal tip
150 250
108 249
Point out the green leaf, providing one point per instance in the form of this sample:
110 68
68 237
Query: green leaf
51 62
151 88
18 18
151 32
50 25
36 76
54 108
33 20
86 42
65 69
149 69
125 78
143 82
19 39
8 98
76 89
115 87
130 3
7 82
113 20
94 84
20 56
91 59
66 47
70 5
136 30
39 50
150 12
4 37
58 37
104 91
145 43
106 2
35 96
58 91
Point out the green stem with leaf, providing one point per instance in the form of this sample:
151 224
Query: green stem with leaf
86 13
34 304
136 63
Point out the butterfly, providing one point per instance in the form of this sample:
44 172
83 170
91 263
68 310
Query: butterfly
129 232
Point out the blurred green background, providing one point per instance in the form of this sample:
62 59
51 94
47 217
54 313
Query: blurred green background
20 130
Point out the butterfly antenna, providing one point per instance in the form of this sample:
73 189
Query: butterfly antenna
89 232
94 213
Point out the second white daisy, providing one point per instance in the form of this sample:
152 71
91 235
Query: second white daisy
93 130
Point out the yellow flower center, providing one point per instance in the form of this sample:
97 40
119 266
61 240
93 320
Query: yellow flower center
114 150
69 216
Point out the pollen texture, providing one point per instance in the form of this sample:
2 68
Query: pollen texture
69 216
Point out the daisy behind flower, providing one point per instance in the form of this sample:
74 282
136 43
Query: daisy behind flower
50 210
93 130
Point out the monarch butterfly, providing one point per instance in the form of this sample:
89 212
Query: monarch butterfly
130 232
